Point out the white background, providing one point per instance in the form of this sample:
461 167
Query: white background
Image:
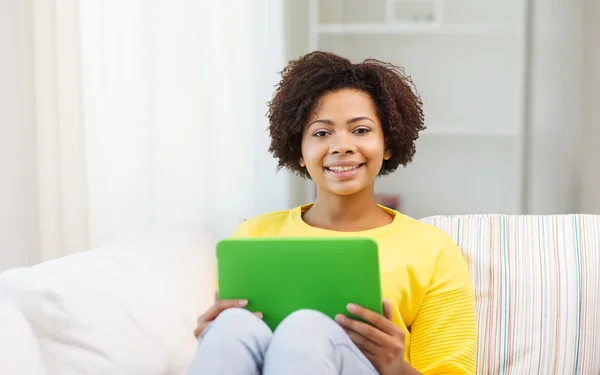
114 116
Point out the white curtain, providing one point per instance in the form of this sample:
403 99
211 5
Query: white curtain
152 114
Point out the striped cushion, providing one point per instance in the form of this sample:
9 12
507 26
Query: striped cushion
536 281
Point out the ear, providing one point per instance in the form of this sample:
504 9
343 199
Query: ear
387 154
301 162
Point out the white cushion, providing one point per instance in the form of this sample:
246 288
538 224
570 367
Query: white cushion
19 352
537 290
128 308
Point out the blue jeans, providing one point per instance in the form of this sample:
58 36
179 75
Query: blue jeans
306 342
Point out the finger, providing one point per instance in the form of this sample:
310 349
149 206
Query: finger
375 319
216 295
387 309
203 323
366 330
365 345
220 306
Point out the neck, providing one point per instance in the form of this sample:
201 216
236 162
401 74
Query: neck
356 211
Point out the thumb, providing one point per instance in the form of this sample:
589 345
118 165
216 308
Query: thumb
216 295
387 309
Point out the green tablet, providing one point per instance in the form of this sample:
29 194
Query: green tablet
281 275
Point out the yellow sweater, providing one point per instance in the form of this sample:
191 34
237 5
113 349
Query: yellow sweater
423 274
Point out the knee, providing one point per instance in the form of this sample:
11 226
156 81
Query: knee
309 323
306 317
235 314
239 323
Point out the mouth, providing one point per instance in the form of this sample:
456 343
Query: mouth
341 169
345 171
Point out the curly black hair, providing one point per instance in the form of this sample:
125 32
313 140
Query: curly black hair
308 78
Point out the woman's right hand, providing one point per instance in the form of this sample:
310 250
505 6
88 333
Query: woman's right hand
211 314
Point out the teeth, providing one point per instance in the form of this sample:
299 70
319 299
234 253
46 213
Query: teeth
343 169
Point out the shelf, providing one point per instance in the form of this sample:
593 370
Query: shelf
416 28
461 176
471 82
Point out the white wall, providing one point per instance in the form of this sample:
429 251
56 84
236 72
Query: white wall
589 201
555 117
18 194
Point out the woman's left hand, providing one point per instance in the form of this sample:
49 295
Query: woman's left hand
382 342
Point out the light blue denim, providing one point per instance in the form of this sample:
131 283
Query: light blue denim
306 342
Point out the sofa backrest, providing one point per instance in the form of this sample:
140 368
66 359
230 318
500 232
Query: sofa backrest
536 282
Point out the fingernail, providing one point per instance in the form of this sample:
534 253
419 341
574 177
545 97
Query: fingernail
259 315
243 302
351 307
340 318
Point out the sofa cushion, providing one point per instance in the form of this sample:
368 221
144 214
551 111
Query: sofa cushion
536 282
127 308
19 352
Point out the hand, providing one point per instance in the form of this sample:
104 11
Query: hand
382 342
211 314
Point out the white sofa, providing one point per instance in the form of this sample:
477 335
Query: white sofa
130 308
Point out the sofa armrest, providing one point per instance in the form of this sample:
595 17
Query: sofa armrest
126 308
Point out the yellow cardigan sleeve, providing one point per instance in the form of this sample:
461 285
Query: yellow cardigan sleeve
443 334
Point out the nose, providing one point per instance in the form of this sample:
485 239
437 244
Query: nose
342 144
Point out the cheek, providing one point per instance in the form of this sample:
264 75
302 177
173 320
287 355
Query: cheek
376 151
313 156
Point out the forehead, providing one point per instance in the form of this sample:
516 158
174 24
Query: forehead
344 103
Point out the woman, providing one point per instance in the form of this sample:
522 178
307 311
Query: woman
342 125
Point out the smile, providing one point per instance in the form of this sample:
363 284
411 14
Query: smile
344 170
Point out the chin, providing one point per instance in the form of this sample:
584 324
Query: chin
346 190
344 193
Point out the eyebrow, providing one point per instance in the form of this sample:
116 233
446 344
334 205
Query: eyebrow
352 120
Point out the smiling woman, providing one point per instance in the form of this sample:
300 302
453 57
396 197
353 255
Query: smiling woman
343 147
386 97
343 125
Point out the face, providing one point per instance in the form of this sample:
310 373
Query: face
343 147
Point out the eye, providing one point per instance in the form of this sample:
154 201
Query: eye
362 130
320 133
